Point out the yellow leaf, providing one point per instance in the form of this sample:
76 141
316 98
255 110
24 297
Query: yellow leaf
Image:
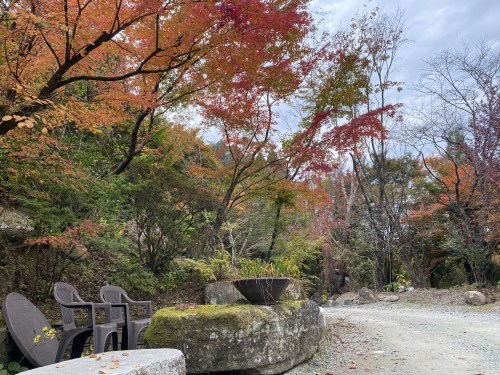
44 131
7 118
21 124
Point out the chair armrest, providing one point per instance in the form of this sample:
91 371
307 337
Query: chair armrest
76 305
107 310
125 307
82 305
147 304
91 306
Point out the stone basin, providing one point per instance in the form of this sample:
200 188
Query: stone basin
245 339
262 290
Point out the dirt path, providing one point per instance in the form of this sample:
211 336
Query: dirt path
394 339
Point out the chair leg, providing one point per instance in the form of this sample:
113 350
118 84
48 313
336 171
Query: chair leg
125 338
132 337
101 337
65 340
114 335
78 344
135 332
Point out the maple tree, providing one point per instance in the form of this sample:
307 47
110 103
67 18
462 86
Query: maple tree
246 121
349 113
99 63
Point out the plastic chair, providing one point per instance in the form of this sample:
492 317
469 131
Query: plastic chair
120 314
66 295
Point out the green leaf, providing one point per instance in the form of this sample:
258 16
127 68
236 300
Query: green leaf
13 366
3 372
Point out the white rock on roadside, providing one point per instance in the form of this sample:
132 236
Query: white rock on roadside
365 296
390 299
474 298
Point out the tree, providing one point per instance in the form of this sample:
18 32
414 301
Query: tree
461 128
245 118
350 114
98 63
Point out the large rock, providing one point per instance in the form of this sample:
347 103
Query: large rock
222 293
344 299
240 338
365 296
134 362
391 298
474 298
15 225
225 293
294 291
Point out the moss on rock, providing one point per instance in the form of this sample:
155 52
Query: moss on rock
239 337
170 325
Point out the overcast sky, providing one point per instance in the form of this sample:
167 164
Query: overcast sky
431 26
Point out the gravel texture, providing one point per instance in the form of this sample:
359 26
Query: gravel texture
402 339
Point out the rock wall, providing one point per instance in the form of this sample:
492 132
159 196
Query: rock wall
249 339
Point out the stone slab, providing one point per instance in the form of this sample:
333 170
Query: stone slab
131 362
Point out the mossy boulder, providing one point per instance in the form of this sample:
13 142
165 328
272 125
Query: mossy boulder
241 338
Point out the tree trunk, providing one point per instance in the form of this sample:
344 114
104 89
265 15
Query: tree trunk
275 230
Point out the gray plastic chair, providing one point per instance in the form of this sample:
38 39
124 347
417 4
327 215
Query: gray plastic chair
24 322
120 314
67 296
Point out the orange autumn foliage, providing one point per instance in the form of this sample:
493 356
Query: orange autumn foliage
94 62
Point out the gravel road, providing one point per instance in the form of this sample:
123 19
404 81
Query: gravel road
397 339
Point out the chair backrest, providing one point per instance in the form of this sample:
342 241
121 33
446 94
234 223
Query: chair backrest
113 294
65 293
24 322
